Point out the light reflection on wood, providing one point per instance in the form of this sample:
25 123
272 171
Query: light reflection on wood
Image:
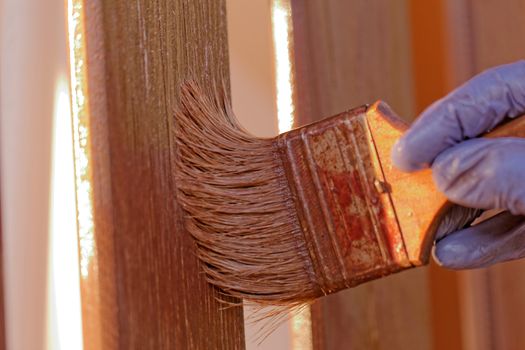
81 136
282 28
97 284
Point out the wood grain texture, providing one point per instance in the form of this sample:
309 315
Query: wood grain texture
349 53
431 68
144 289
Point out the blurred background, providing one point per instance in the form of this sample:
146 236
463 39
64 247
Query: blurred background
291 62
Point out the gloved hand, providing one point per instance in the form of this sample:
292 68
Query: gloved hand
476 173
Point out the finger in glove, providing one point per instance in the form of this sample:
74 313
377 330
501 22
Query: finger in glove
499 239
484 173
469 111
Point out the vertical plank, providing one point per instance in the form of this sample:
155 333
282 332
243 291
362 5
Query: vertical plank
429 64
430 68
143 288
350 53
450 42
347 54
482 34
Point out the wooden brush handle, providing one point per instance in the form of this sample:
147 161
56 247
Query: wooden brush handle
419 206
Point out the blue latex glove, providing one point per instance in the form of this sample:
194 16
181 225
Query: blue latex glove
476 173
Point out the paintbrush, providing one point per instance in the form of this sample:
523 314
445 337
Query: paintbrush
318 209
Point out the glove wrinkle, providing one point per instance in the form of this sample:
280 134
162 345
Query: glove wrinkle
484 173
497 239
456 218
474 108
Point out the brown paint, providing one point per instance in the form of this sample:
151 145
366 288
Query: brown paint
248 199
423 50
386 337
346 190
339 148
267 209
145 289
349 53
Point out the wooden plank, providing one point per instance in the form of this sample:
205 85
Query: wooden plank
482 34
142 287
351 53
430 67
347 54
449 45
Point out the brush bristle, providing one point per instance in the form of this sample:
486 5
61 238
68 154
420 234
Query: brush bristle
238 205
